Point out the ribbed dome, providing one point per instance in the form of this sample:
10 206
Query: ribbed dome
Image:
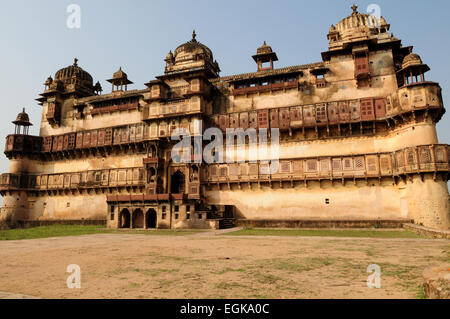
194 46
359 24
67 74
411 59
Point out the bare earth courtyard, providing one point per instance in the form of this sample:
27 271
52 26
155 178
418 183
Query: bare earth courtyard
217 265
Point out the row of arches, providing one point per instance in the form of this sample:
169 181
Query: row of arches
137 219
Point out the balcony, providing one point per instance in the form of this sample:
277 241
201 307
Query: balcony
9 182
145 197
266 88
416 96
25 144
115 108
174 108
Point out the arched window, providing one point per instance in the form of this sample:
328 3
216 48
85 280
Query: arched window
177 185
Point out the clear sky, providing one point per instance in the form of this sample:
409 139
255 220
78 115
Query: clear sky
137 35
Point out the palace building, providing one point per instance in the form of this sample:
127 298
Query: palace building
357 141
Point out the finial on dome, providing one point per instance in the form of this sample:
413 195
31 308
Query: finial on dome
75 62
265 42
194 35
355 9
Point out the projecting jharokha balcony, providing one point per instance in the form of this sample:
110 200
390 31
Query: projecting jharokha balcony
145 197
266 88
412 160
23 143
172 108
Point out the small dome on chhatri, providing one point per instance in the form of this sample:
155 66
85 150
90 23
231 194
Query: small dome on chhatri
119 74
22 119
67 74
411 59
264 49
193 46
49 81
169 55
98 87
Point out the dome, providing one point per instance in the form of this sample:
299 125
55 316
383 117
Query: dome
411 59
193 47
358 27
119 74
264 49
356 21
67 74
22 119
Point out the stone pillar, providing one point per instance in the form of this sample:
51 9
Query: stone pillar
145 218
131 218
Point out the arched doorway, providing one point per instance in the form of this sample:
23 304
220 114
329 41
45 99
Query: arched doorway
124 219
138 218
151 218
177 183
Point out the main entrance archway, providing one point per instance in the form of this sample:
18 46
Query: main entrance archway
138 218
124 219
150 217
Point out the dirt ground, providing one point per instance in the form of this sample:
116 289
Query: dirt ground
211 265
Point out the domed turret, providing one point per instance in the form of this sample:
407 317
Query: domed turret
169 58
193 47
357 27
119 80
98 88
410 60
22 121
413 70
190 55
264 54
73 74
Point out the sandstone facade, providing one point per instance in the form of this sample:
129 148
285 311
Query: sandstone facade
357 140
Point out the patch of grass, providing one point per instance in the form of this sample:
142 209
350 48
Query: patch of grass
226 270
154 272
295 265
371 252
369 233
420 293
225 285
51 231
265 278
78 230
408 274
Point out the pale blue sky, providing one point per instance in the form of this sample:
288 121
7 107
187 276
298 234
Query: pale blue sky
137 35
